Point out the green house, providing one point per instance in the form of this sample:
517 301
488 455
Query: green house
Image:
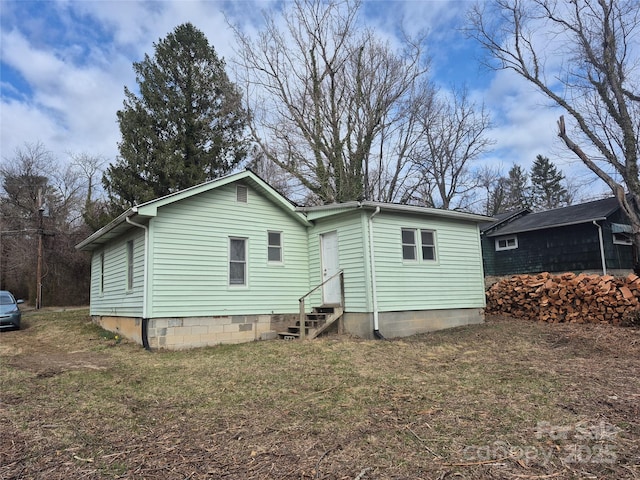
229 261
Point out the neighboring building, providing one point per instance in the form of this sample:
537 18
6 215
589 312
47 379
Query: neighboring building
592 236
228 260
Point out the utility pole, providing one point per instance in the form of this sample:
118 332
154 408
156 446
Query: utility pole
39 266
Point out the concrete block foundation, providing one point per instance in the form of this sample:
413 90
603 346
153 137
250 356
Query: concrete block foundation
178 333
406 323
192 332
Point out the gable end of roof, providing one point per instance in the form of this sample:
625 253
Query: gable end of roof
150 209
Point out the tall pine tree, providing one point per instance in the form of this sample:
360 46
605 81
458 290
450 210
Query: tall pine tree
186 126
547 189
517 190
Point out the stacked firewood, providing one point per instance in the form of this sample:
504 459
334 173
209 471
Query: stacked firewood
568 298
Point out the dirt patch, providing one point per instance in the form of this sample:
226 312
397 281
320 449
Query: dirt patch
54 362
51 348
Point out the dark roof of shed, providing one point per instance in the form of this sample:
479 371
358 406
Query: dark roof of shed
504 217
572 215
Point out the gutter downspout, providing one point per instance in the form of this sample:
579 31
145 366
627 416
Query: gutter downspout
374 289
602 259
145 319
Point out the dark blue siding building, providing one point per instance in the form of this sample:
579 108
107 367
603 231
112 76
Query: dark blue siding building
589 236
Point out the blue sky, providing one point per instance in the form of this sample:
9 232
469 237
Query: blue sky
65 64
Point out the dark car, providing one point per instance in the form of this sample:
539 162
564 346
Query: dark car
10 314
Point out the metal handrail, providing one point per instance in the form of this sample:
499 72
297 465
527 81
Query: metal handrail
303 314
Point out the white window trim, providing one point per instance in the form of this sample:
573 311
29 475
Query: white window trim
508 247
101 260
246 263
130 253
435 246
417 238
621 241
280 246
415 244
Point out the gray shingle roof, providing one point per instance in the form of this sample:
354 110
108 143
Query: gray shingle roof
572 215
503 218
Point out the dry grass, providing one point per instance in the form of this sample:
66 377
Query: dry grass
507 399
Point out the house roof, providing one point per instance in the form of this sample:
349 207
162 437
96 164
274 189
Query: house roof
143 212
560 217
503 218
322 211
147 210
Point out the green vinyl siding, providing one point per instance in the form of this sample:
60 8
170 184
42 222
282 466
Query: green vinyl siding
454 280
190 270
115 298
352 257
188 274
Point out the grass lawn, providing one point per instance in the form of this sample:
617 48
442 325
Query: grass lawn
507 399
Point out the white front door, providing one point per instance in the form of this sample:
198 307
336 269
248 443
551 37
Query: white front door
330 266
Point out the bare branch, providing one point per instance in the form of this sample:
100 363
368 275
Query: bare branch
331 96
598 71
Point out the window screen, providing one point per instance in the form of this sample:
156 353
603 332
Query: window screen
274 249
408 244
237 261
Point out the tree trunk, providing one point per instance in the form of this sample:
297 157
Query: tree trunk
628 202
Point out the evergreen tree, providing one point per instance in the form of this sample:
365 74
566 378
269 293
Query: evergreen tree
517 190
547 189
186 126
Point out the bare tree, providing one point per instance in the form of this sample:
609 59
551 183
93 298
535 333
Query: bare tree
329 100
89 170
453 136
583 55
494 186
273 174
23 189
41 199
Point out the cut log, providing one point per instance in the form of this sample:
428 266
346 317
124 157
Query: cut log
566 298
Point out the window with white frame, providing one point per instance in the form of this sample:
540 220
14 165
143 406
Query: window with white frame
130 265
622 238
274 247
101 273
409 246
428 244
237 261
621 234
414 240
506 243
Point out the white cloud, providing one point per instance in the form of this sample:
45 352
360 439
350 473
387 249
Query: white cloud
525 125
77 64
22 123
524 120
132 25
72 107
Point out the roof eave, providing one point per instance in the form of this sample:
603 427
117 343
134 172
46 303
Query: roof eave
500 233
106 229
414 209
410 209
